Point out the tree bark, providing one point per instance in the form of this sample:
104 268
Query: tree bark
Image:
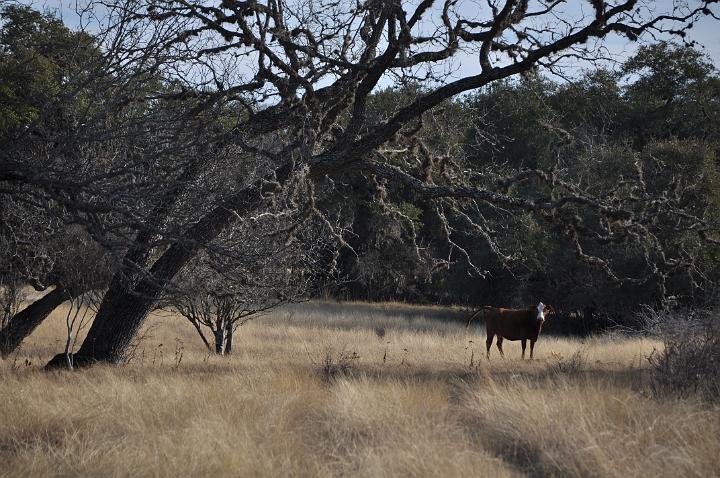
27 320
228 338
121 314
219 340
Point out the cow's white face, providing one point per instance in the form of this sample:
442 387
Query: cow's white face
540 312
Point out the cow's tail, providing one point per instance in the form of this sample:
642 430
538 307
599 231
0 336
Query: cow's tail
472 317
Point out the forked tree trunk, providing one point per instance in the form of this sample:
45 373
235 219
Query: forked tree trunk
26 321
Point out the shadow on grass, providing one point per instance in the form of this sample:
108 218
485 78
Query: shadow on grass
352 316
520 454
538 372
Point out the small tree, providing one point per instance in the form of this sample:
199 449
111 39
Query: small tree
220 312
219 299
259 265
78 317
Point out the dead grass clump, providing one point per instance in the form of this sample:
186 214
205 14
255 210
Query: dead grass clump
572 365
157 422
689 362
340 364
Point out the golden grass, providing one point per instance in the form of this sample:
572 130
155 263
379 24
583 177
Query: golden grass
418 399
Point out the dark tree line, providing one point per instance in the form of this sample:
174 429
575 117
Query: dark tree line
176 129
654 120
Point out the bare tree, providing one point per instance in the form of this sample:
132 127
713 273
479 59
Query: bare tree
247 271
78 316
220 313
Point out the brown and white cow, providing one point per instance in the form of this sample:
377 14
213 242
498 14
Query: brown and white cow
513 324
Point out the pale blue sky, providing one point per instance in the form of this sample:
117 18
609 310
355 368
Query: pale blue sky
706 32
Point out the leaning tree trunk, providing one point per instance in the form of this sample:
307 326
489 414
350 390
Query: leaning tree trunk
123 310
26 321
118 300
132 294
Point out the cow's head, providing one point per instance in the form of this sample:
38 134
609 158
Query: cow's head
542 311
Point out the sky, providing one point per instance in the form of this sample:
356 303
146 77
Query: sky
705 32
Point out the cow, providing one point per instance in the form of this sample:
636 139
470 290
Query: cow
513 324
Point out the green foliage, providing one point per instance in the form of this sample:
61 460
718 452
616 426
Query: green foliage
655 121
38 54
509 124
673 93
410 211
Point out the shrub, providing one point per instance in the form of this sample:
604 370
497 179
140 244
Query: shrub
572 365
689 363
336 365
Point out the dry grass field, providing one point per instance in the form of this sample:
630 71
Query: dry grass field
331 390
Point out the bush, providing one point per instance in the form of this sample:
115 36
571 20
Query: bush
572 365
689 363
342 364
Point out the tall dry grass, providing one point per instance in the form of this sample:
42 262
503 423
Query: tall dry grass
332 390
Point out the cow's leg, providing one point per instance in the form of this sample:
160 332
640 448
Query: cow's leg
523 342
488 343
499 346
532 347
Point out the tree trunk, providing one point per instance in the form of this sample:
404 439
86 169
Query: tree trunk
123 311
200 333
26 321
129 299
219 340
228 338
